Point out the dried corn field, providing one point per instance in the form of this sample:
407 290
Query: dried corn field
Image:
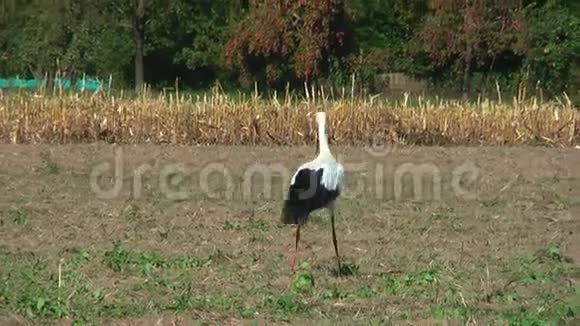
219 119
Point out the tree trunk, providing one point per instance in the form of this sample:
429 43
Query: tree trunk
139 68
49 80
467 72
139 39
472 19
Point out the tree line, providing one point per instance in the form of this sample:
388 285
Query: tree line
464 45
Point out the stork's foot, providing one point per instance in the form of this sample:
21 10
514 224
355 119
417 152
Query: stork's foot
345 269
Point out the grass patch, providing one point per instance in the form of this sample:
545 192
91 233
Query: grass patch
123 260
16 216
34 288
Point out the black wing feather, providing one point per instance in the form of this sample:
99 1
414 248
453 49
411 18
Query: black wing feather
305 195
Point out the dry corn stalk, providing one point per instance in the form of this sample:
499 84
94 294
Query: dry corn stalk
218 119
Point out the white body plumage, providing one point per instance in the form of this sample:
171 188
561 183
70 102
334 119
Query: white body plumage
333 172
316 184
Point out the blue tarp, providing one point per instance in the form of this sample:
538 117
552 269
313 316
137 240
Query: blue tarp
87 84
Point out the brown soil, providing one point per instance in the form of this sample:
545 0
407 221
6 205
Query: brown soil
524 199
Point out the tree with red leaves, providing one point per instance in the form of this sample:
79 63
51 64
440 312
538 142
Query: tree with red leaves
282 41
472 33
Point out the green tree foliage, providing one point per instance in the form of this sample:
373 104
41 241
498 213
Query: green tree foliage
469 35
70 36
458 44
553 53
383 30
286 40
188 39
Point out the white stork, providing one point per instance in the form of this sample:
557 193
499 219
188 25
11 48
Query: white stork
315 185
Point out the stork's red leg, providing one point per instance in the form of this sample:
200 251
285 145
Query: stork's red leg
334 242
293 259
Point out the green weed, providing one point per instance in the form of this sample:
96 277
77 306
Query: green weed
18 216
123 260
50 167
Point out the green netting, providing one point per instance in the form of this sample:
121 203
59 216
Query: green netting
80 84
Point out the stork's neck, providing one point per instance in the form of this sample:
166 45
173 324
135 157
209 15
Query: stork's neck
322 140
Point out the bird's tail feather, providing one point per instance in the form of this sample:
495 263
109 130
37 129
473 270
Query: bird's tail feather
287 216
290 213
